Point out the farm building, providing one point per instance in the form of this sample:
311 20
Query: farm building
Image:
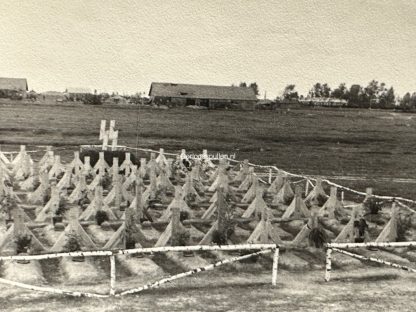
15 88
77 94
173 94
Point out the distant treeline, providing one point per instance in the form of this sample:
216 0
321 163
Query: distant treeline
374 95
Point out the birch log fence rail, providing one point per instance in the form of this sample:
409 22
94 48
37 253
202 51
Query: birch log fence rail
258 248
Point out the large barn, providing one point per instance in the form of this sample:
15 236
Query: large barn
175 94
13 87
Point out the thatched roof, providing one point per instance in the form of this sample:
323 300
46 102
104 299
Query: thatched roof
18 84
201 91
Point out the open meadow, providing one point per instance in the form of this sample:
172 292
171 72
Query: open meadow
356 148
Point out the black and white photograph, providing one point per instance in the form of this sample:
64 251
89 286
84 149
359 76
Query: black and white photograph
207 155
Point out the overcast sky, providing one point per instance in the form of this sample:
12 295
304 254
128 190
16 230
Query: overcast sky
125 45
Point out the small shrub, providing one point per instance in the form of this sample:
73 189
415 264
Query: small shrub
84 200
317 237
184 215
321 200
219 238
101 216
23 244
62 209
287 200
72 244
182 239
130 242
106 181
361 225
373 205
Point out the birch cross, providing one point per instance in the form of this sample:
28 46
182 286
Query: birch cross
108 135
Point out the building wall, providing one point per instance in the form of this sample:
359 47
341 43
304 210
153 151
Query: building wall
13 94
210 103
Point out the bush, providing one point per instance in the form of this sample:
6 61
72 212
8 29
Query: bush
321 200
72 244
183 215
219 238
106 181
62 209
92 99
317 237
182 239
373 205
23 244
101 216
130 242
84 200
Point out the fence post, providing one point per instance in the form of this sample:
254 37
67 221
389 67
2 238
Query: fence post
112 275
307 187
342 196
275 264
270 175
328 264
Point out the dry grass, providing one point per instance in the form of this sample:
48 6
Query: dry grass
374 289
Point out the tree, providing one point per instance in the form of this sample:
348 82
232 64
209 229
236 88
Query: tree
406 101
243 85
413 100
387 98
341 92
354 95
289 92
320 90
255 88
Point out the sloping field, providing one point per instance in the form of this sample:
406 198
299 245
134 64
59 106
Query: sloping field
357 148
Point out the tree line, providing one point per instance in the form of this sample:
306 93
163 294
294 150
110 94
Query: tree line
375 95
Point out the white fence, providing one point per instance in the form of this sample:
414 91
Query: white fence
258 248
337 248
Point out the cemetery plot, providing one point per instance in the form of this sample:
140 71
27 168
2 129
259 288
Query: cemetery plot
90 203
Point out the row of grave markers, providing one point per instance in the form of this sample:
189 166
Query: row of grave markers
219 183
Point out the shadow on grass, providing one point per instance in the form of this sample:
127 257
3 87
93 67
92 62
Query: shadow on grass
367 278
216 287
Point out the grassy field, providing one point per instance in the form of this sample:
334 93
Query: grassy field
357 148
373 289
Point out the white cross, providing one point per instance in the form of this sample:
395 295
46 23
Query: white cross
108 135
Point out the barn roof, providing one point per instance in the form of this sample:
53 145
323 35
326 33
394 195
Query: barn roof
13 84
201 91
